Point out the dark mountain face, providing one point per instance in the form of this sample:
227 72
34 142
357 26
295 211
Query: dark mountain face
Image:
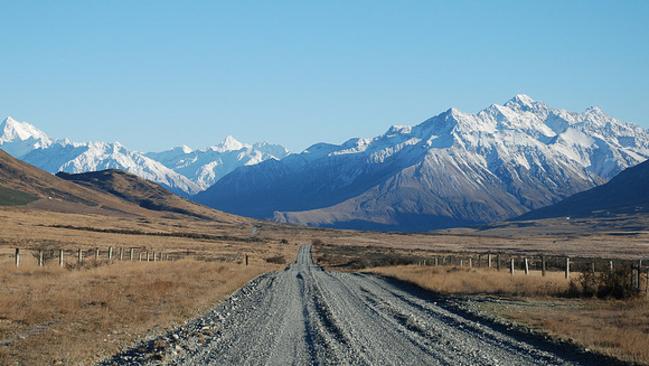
453 169
293 184
626 193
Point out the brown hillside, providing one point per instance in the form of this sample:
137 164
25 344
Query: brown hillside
144 193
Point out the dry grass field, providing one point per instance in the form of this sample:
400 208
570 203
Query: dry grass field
79 314
51 315
611 327
454 280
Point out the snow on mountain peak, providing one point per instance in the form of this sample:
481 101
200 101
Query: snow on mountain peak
523 99
19 138
229 144
525 103
13 129
398 130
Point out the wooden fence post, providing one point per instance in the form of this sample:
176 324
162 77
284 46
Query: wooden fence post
592 266
461 262
470 262
40 257
479 260
567 274
17 257
497 262
79 256
543 266
246 259
130 256
140 257
511 266
121 254
610 266
110 254
527 267
60 257
436 261
148 256
638 275
489 260
96 254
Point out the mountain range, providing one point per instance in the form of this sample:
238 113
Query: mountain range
453 169
626 194
107 192
181 170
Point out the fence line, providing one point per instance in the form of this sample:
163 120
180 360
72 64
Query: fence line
543 263
44 256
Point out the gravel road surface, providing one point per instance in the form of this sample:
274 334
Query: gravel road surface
308 316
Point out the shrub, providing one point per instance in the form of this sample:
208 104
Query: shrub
278 259
614 284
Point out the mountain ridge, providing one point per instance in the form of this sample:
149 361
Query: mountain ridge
626 193
454 168
25 141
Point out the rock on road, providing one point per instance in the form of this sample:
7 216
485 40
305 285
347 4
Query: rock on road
308 316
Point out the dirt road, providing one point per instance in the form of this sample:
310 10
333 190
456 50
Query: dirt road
305 315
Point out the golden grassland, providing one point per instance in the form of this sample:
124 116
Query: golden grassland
611 327
618 328
79 314
454 280
52 315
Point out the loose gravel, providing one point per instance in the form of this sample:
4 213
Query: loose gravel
308 316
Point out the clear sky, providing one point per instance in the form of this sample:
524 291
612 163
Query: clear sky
156 74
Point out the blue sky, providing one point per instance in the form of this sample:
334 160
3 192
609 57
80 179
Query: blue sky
156 74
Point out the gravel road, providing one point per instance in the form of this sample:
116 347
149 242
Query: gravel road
308 316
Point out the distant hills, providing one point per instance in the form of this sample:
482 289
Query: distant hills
454 169
107 192
23 183
626 193
181 170
141 192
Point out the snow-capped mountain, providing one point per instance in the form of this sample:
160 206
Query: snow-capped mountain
19 138
453 169
64 156
204 167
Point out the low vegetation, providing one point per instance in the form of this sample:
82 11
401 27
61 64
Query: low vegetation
454 280
11 197
51 315
617 328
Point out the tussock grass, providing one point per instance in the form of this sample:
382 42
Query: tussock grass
455 280
618 328
51 315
